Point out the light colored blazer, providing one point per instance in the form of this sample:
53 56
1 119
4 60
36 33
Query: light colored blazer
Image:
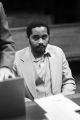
62 80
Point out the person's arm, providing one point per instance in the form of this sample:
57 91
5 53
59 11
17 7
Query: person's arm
7 46
68 86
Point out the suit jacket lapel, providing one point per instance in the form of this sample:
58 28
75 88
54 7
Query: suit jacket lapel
28 73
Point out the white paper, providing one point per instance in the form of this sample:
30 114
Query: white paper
59 107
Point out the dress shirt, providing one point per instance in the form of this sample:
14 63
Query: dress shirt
42 75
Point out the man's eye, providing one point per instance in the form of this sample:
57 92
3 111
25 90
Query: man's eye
44 37
35 37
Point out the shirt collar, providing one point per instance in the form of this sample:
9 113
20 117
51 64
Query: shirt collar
47 53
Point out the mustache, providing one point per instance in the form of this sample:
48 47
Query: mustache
41 45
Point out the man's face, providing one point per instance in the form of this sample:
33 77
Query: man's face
39 40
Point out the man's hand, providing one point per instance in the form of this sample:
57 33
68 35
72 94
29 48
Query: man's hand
69 89
5 73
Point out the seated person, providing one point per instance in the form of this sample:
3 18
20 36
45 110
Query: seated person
7 47
43 66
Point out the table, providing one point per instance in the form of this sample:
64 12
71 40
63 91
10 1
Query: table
35 112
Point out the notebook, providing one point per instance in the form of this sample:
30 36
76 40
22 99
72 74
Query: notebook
12 95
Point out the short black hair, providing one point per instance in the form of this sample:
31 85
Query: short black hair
36 24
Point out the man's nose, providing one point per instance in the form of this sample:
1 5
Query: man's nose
40 40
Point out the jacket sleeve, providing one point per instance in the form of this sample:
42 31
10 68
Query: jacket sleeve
17 72
7 45
68 82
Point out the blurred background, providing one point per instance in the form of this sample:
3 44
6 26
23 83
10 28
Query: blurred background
52 11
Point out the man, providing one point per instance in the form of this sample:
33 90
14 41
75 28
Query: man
7 47
43 66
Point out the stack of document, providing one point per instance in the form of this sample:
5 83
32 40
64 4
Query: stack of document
58 107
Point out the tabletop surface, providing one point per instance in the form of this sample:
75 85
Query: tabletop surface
35 112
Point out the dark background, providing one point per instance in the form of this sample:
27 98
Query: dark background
61 11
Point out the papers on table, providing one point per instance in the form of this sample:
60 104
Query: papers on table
58 107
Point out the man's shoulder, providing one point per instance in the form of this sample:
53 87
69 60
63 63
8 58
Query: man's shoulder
54 48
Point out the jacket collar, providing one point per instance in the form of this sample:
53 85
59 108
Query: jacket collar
28 54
